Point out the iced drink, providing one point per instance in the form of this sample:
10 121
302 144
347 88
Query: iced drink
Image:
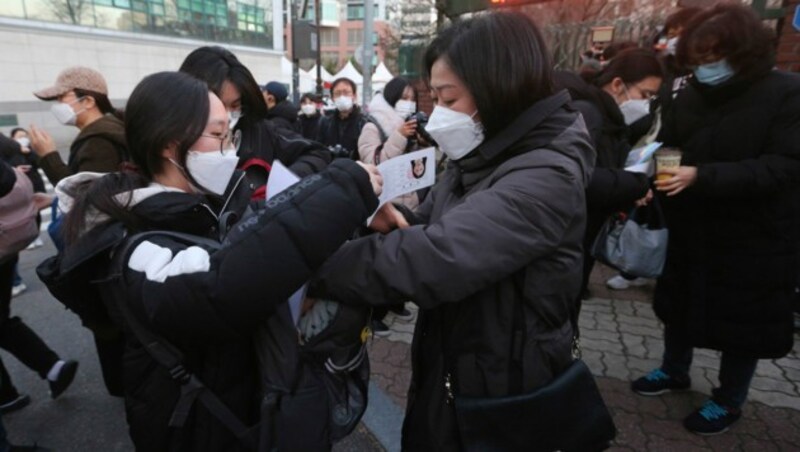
667 158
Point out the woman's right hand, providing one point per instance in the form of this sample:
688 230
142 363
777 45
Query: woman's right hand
375 177
41 142
387 219
408 128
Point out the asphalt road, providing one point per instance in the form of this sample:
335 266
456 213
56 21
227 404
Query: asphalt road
85 417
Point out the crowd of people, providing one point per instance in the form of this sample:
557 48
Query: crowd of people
167 204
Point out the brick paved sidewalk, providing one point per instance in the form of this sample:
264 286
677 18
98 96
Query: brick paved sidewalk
622 341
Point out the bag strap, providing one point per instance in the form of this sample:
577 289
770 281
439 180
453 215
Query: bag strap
382 133
169 357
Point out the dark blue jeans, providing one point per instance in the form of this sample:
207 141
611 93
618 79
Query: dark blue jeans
735 372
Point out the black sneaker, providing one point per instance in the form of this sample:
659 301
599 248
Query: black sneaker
18 403
379 328
657 382
711 419
64 379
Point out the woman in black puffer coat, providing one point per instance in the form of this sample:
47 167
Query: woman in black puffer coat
205 301
733 210
610 101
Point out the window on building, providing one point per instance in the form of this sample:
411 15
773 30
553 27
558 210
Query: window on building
207 12
226 21
249 17
355 36
356 12
330 37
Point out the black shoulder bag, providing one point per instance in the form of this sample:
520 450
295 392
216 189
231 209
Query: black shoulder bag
568 414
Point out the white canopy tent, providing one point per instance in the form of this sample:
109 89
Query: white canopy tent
381 77
308 79
350 72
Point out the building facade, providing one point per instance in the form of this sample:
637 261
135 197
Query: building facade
123 39
342 30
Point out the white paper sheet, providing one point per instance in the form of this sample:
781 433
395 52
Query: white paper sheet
644 168
642 155
406 173
281 178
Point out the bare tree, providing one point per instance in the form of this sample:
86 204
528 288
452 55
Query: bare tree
69 11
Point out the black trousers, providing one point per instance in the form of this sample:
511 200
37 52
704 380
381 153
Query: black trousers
17 338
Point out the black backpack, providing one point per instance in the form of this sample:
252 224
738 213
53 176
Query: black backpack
336 357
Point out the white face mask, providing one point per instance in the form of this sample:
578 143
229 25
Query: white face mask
64 113
212 170
455 132
405 107
24 141
344 103
634 110
308 109
233 118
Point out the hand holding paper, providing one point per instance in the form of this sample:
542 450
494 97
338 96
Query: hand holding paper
375 177
406 174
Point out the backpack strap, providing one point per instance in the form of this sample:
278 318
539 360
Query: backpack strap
168 356
371 119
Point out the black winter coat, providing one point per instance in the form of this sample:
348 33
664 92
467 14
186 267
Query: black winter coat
733 256
263 143
611 189
494 267
284 117
308 126
208 304
11 153
334 130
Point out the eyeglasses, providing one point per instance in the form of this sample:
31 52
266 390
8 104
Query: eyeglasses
645 94
231 140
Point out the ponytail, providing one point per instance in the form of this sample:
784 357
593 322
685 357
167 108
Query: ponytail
97 197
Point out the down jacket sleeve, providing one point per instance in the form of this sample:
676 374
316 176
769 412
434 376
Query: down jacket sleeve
492 234
615 189
301 155
191 294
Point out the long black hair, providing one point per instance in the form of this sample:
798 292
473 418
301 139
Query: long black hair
502 59
101 100
162 111
214 65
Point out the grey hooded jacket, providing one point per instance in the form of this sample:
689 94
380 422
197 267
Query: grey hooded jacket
494 265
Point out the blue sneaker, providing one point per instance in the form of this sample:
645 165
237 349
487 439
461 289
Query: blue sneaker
658 382
711 419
